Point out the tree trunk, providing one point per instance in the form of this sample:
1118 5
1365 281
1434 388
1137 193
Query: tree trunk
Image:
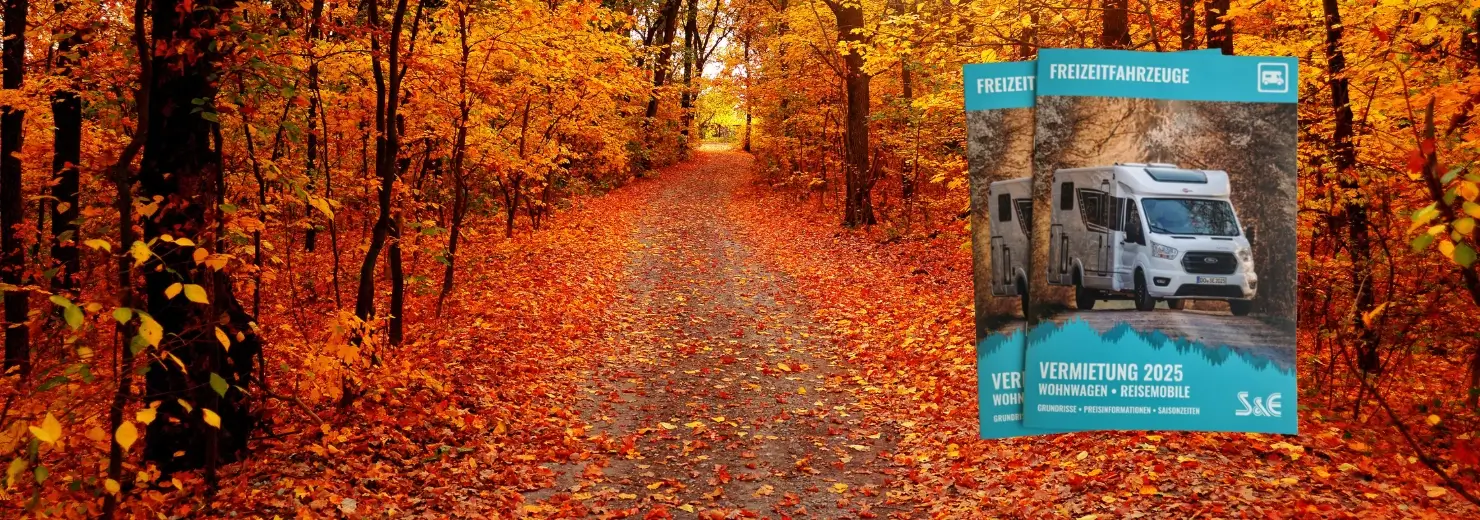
12 201
691 51
1187 28
745 141
1219 32
665 54
124 201
1344 159
181 169
858 178
459 151
1115 32
387 146
66 111
311 147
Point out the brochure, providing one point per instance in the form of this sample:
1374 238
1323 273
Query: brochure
999 153
1173 188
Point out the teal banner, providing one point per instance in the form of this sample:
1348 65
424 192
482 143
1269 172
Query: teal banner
1126 379
1006 84
1185 76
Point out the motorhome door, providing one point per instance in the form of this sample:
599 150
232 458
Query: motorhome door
1099 212
1132 242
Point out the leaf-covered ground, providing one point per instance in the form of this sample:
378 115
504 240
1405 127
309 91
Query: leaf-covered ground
696 347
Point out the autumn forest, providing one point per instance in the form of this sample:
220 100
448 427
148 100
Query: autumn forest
663 258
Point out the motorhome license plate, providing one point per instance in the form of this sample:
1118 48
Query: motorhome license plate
1221 280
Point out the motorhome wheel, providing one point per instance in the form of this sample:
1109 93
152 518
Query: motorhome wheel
1240 307
1085 298
1144 301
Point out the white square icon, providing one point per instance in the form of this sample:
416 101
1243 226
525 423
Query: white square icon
1274 78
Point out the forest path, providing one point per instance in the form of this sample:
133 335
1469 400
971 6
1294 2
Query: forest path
720 397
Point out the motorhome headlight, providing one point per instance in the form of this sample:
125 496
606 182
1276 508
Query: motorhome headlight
1161 251
1245 255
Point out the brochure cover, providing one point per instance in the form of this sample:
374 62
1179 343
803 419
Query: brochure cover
999 152
1172 179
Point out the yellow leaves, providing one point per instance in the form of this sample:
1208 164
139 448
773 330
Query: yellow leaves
695 424
783 367
802 390
858 447
1320 471
1446 248
140 252
839 488
667 426
221 337
1359 446
1472 209
210 417
97 244
322 205
1147 489
1468 190
953 450
1464 226
151 330
1108 499
1433 420
126 435
718 419
200 255
1435 491
1082 455
111 486
193 292
146 415
196 293
50 430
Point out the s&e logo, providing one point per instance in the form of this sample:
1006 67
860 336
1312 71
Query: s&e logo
1261 407
1274 78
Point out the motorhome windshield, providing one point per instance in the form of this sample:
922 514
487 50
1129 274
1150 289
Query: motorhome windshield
1190 217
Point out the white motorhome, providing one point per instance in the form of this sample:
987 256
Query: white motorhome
1149 232
1010 208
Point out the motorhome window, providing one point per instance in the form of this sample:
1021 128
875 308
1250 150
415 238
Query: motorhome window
1178 175
1190 217
1066 196
1133 231
1092 209
1025 214
1004 207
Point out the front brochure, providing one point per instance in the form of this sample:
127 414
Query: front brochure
1172 182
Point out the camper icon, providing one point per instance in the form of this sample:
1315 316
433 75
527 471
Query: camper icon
1272 78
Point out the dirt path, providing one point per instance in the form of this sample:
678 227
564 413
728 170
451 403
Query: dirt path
720 399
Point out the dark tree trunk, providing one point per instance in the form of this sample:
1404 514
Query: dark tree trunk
1115 33
1344 159
12 201
124 201
858 178
745 141
387 146
66 112
691 50
183 170
665 54
1219 32
459 150
1187 27
310 236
